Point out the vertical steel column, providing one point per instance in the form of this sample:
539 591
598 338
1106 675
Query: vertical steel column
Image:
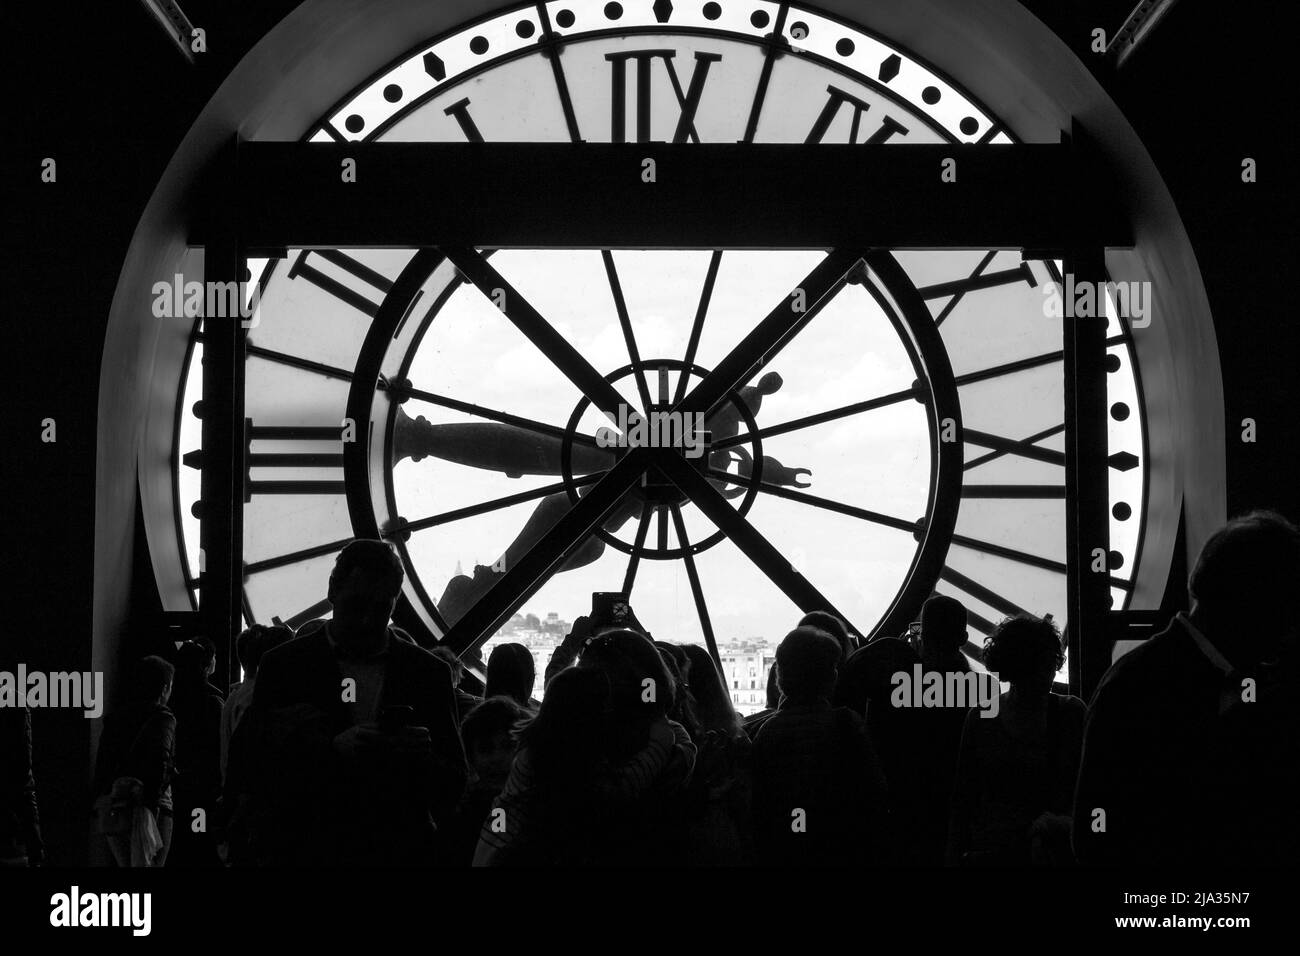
222 481
1086 479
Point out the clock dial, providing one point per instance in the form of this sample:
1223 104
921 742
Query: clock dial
496 369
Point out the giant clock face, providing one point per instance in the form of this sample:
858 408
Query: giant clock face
839 453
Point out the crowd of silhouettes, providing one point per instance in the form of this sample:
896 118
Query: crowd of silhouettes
348 744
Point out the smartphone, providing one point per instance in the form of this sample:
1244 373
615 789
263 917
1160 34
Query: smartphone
393 717
610 611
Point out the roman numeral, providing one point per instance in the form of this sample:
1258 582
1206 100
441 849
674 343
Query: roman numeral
978 279
1024 448
688 101
344 292
1013 491
460 112
310 435
836 98
990 597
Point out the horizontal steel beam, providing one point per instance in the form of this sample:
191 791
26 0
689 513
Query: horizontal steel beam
594 195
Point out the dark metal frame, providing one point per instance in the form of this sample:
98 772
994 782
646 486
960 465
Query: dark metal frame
278 187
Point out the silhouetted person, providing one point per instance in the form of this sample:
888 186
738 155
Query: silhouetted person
932 735
832 625
683 709
357 748
601 771
511 672
488 732
1012 795
918 809
134 767
251 645
719 797
20 824
197 705
943 635
819 794
713 704
1179 766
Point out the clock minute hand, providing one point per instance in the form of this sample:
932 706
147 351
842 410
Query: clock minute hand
772 334
541 333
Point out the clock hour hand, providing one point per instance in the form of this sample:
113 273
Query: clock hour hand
463 591
509 449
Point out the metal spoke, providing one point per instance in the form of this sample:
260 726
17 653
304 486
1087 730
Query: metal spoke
495 504
625 321
541 333
530 572
295 361
820 418
697 591
771 335
746 537
634 560
817 501
697 327
977 590
491 414
1023 557
293 557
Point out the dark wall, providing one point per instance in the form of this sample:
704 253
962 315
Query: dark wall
99 89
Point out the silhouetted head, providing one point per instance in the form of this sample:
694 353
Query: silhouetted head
641 686
773 691
1025 651
713 704
567 737
195 660
832 625
151 680
511 672
488 732
253 643
1243 588
808 659
943 626
365 583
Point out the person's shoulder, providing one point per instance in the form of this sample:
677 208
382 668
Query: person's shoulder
307 642
1149 661
1071 706
1070 702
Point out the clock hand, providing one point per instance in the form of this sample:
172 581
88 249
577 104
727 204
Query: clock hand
541 333
463 591
772 334
505 448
